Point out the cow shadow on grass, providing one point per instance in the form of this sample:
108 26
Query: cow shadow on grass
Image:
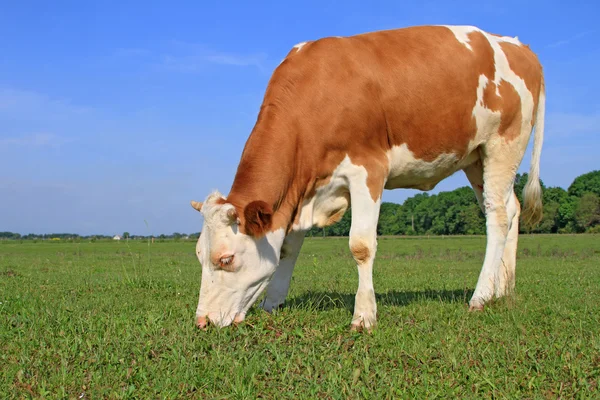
320 300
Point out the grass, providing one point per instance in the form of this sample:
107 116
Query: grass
116 320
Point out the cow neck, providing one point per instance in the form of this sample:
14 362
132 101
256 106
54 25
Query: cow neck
267 170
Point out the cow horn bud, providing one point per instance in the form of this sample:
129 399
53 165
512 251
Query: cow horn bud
196 205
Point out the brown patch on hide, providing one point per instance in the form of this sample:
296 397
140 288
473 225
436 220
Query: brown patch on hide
360 251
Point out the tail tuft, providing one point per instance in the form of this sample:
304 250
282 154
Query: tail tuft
532 192
532 203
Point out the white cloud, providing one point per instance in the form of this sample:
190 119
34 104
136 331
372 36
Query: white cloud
182 63
194 63
570 39
179 56
239 60
192 57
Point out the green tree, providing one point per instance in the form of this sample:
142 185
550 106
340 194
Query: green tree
549 222
125 235
10 235
412 213
587 212
443 214
566 214
553 197
474 220
388 219
586 183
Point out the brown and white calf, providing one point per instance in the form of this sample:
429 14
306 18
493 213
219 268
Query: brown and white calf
344 118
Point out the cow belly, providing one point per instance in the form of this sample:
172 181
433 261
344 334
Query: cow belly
410 173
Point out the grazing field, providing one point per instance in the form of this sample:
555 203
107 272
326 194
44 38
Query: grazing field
116 320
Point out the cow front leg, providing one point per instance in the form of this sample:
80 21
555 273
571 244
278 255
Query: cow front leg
363 246
365 306
279 286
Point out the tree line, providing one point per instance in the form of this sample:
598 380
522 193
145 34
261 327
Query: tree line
575 210
74 236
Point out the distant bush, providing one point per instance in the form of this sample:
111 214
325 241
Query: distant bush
594 229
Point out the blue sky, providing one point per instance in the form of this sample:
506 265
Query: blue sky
114 115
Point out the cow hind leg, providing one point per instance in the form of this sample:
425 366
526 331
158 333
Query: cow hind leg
499 166
279 286
505 281
504 278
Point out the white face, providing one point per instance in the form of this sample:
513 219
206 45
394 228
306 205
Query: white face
236 268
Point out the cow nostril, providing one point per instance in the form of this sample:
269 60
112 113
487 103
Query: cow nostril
225 261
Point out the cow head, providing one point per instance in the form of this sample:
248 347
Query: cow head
238 254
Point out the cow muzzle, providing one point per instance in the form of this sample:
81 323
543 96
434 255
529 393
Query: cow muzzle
202 322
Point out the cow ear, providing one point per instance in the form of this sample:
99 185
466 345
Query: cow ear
258 217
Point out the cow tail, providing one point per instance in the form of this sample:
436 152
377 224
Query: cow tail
532 192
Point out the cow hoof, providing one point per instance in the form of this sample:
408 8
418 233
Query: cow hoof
359 325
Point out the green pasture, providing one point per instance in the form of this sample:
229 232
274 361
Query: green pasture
116 320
